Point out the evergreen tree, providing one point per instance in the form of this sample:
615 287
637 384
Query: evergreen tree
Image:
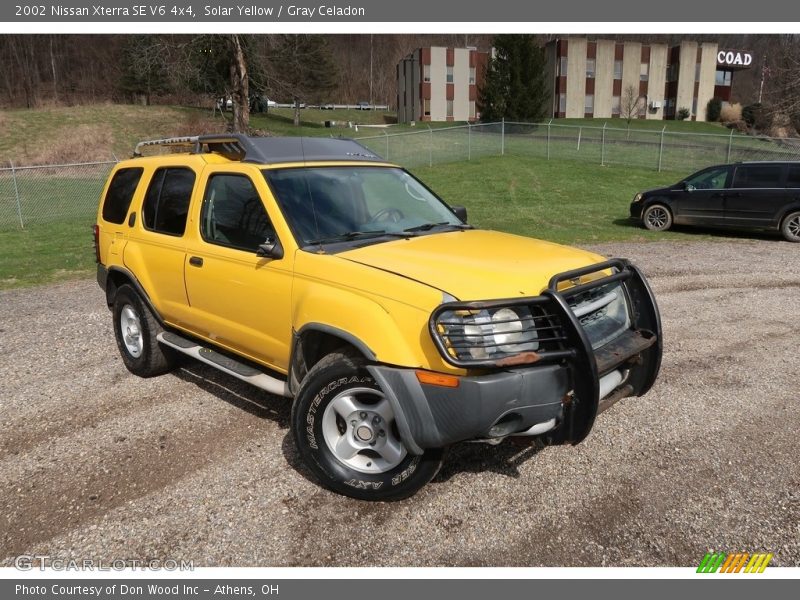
514 87
304 69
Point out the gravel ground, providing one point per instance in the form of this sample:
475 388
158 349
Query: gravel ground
96 463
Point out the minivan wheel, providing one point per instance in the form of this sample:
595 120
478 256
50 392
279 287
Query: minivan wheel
345 431
135 329
790 228
657 217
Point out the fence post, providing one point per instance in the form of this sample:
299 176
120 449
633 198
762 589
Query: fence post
503 136
548 138
469 141
661 148
430 146
387 144
16 193
603 146
580 131
730 141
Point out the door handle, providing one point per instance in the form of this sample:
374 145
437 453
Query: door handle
196 261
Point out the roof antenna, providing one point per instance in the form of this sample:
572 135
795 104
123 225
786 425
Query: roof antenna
311 198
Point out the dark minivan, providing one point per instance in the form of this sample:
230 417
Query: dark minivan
747 195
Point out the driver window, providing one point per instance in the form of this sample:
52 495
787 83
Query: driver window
233 214
713 179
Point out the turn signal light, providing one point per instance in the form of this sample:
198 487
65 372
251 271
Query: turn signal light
439 379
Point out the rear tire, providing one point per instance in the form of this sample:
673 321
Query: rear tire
344 429
657 217
136 331
790 227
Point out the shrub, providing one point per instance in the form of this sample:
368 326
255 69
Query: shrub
731 113
713 109
752 112
683 113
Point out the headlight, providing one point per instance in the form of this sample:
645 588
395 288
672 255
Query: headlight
638 197
488 333
603 313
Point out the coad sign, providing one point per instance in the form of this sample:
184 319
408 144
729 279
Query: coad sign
733 58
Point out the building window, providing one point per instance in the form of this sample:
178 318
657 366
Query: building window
562 103
617 69
588 104
723 78
472 75
472 109
449 108
672 73
562 67
426 107
644 72
426 73
697 72
615 105
590 68
449 74
694 106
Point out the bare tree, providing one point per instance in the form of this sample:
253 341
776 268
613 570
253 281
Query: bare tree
240 86
629 105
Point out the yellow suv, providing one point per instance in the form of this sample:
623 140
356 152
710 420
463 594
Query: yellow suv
315 270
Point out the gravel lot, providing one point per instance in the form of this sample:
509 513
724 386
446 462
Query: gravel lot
96 463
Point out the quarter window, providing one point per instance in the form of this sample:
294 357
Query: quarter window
166 204
793 179
233 214
120 193
757 176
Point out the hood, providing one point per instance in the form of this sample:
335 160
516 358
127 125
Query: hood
474 264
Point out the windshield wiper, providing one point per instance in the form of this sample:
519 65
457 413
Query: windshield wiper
429 226
355 235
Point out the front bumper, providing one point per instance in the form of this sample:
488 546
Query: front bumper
572 387
636 210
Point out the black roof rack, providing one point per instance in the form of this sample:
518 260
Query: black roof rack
268 150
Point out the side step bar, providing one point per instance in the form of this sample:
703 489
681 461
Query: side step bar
225 364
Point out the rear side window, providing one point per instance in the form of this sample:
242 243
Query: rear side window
166 204
793 178
758 176
120 193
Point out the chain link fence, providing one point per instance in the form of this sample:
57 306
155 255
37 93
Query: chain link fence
33 195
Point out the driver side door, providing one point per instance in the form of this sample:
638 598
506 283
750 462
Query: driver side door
702 200
239 300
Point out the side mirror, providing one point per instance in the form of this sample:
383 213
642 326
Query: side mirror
688 187
460 212
271 248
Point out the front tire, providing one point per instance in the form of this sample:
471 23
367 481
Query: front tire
345 431
135 329
790 227
657 217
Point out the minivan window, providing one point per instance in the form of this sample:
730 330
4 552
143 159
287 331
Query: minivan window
793 178
710 179
166 205
120 193
757 176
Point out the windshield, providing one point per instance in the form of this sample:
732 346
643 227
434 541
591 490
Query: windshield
334 204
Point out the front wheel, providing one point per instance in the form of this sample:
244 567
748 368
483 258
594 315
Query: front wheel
657 217
790 228
345 431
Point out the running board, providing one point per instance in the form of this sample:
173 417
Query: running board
224 363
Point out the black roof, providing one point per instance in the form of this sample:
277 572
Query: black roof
271 150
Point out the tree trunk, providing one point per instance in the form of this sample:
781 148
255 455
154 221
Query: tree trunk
241 88
297 112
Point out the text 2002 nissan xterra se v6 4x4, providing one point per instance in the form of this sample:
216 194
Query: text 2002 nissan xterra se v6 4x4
315 270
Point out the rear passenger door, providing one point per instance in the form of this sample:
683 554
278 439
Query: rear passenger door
239 300
756 196
156 248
